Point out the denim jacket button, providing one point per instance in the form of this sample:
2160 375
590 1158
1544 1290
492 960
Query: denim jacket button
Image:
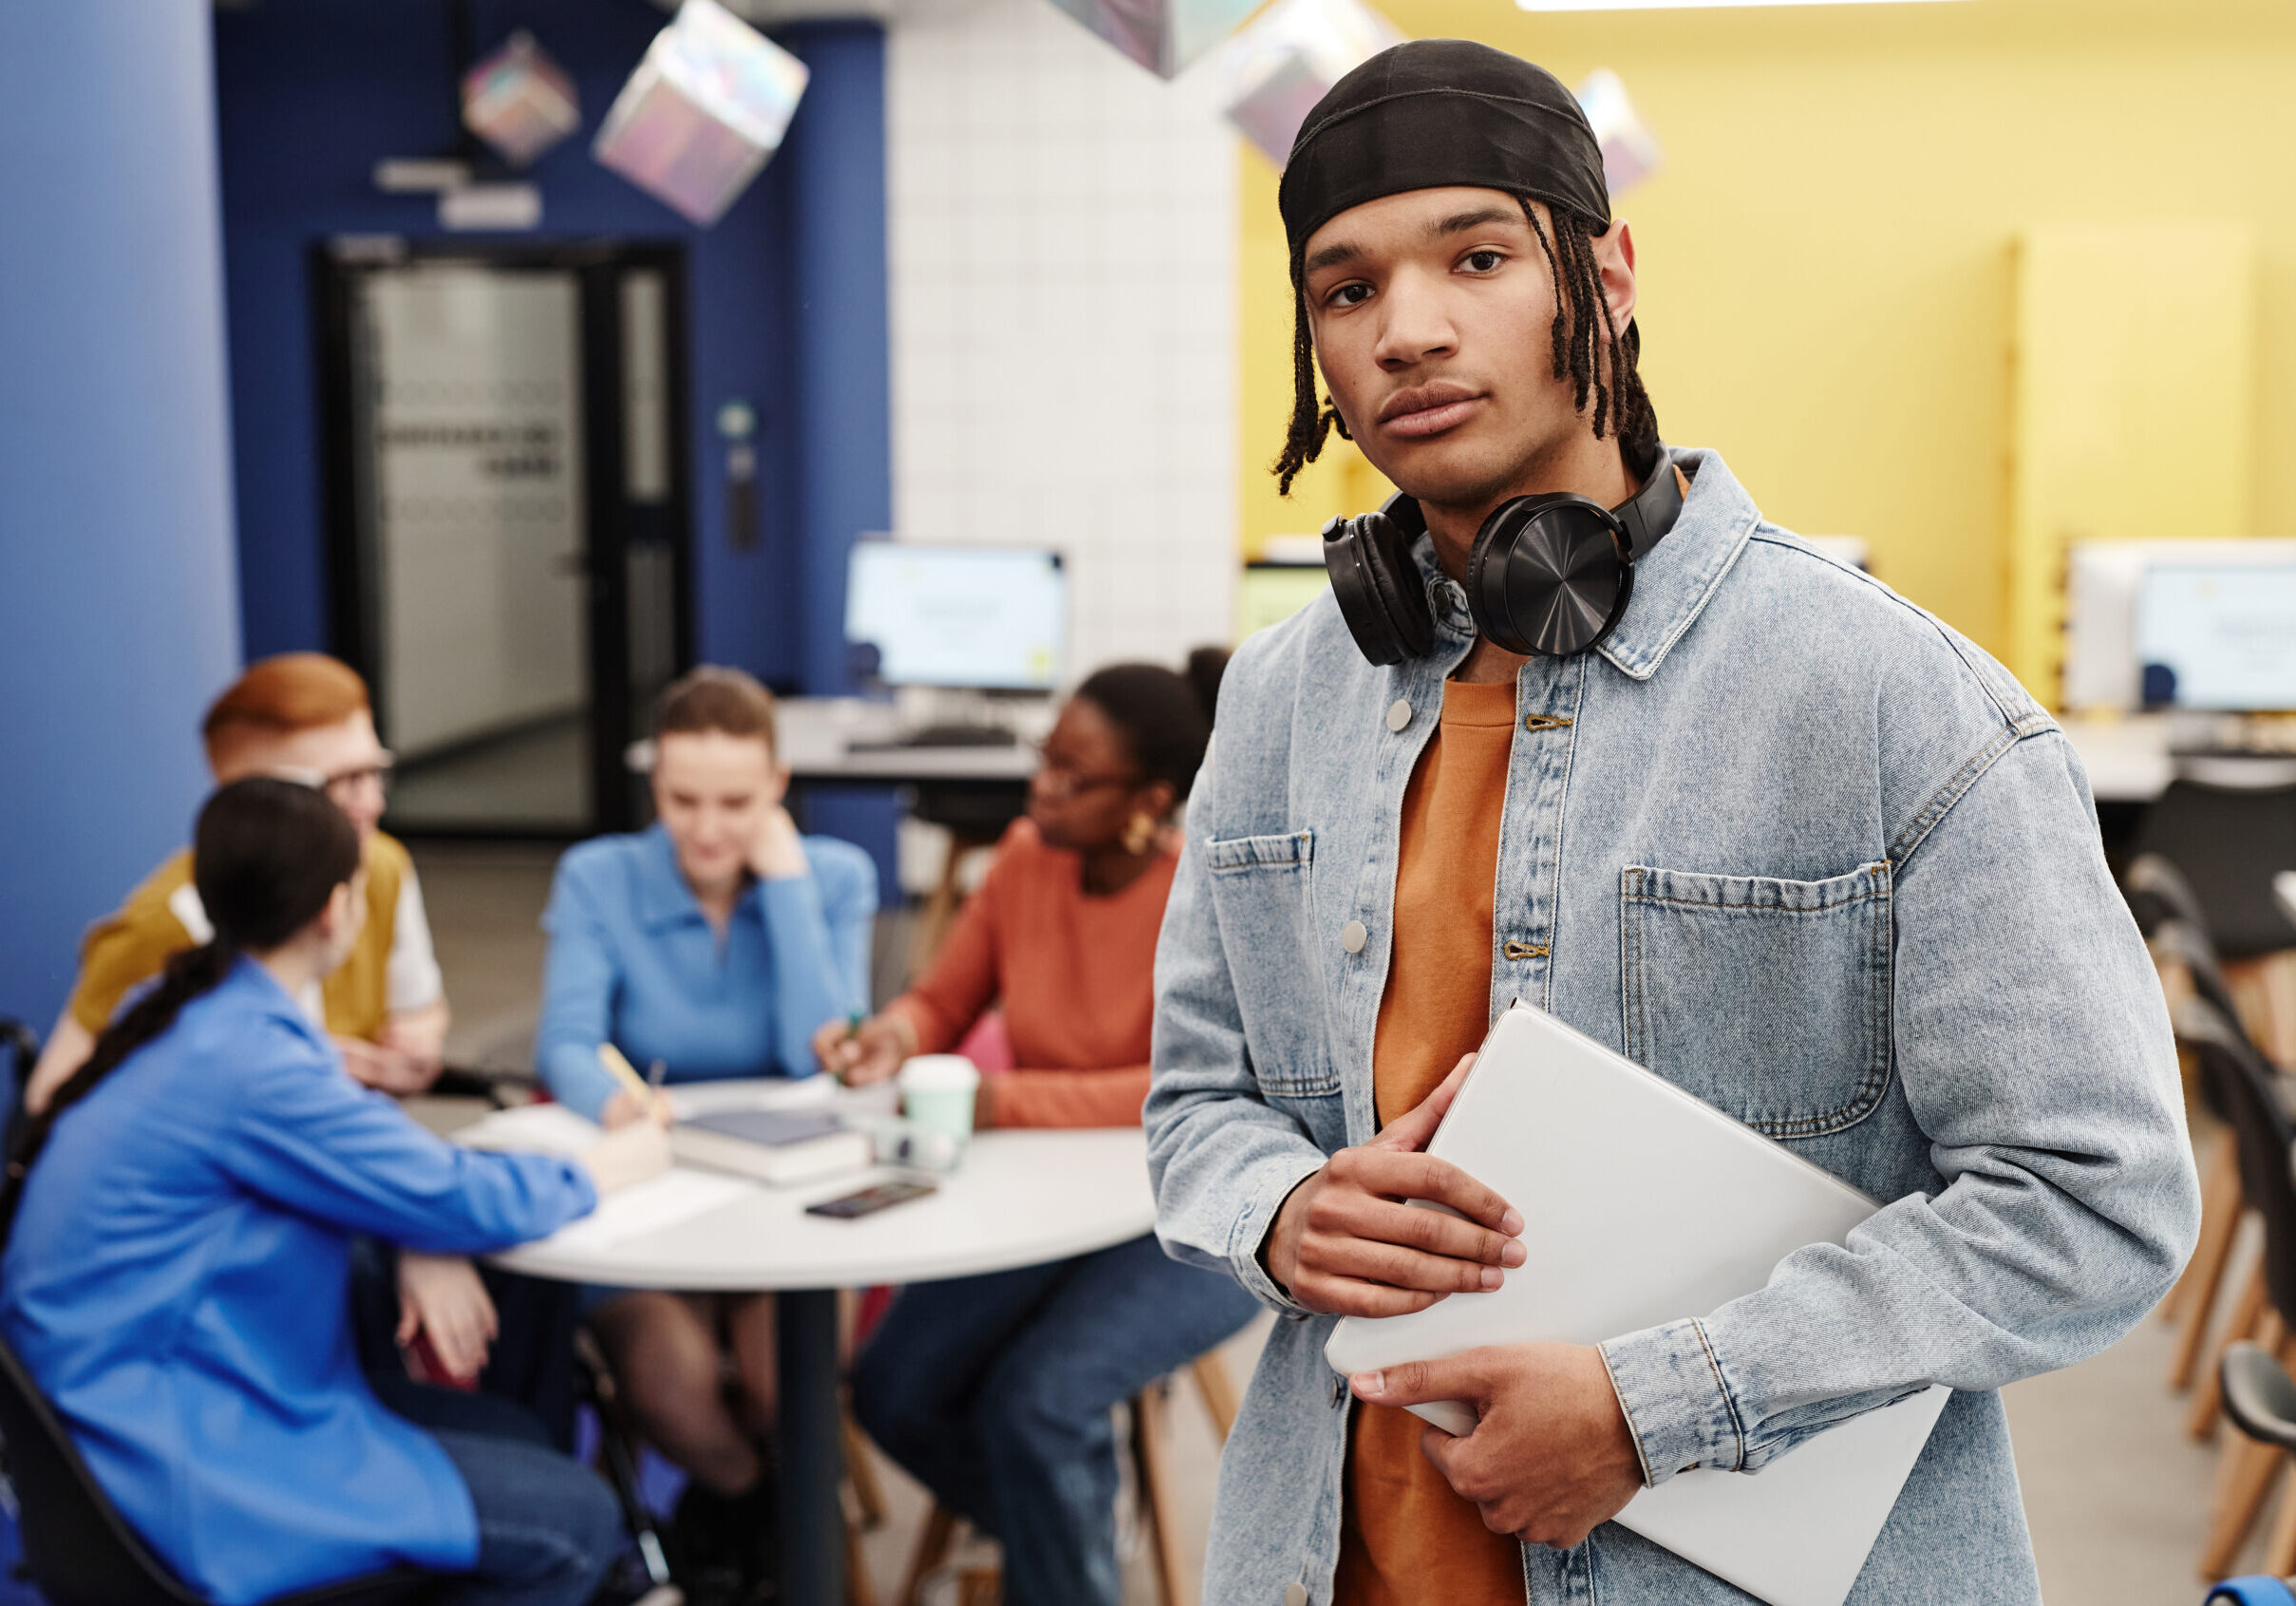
1353 936
1399 713
1295 1594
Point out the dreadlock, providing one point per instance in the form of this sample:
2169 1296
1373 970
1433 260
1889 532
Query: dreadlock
1581 333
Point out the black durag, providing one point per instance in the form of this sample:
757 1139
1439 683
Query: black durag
1437 112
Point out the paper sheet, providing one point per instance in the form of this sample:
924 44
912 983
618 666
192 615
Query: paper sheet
534 1129
673 1197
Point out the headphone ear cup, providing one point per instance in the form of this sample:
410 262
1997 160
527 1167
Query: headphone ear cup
1549 575
1378 588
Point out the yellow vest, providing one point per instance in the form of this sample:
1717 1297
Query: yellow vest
129 947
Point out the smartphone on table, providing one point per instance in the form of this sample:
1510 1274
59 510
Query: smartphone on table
878 1195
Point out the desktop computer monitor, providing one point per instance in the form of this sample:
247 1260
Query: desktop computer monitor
2219 637
970 617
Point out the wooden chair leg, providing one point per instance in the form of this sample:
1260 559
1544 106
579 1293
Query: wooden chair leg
1152 1459
859 1591
2245 1478
2194 1296
1212 1381
933 1549
861 1473
2248 1317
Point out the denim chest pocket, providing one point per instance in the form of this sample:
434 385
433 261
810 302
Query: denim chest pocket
1260 889
1767 998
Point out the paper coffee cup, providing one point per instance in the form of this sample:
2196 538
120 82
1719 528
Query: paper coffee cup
937 1092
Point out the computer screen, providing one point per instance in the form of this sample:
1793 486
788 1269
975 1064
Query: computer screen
988 618
2218 635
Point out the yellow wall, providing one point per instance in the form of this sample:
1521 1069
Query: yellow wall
1827 282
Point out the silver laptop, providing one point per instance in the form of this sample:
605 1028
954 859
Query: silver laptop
1647 1206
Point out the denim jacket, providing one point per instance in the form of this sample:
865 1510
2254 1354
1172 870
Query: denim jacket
1792 843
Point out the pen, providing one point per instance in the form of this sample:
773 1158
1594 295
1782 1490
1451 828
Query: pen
853 1029
656 1074
618 1067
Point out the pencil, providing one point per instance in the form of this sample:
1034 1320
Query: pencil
618 1067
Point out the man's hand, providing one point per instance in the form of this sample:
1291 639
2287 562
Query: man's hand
777 854
1345 1244
869 1053
442 1298
385 1069
1550 1456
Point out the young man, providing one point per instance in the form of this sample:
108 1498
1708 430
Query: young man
1753 820
304 716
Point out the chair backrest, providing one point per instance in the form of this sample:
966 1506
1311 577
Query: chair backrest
2157 891
81 1552
2229 841
2250 1093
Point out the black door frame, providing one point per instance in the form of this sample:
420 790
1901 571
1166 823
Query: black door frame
610 523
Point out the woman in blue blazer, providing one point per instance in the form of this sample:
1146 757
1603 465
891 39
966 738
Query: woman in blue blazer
179 1242
716 943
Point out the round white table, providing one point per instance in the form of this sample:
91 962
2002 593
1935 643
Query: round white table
1020 1198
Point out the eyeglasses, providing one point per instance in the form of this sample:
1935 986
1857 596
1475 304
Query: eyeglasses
1059 779
337 784
376 772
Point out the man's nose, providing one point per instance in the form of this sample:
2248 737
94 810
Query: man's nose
1415 325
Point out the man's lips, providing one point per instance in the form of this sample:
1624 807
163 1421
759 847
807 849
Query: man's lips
1427 410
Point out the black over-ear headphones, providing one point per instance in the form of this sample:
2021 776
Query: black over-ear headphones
1548 575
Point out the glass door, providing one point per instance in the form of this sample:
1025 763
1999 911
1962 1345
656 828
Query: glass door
509 523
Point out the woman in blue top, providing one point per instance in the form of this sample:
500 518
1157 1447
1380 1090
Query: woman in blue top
179 1242
715 943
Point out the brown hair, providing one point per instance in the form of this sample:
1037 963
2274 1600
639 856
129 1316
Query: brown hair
716 698
279 696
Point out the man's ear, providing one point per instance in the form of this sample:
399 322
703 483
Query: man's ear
1614 260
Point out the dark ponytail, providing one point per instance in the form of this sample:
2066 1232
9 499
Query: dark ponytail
267 855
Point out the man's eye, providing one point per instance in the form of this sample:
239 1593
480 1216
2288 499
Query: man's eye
1349 295
1483 261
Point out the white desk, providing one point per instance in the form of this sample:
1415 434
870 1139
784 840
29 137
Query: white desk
1020 1198
817 734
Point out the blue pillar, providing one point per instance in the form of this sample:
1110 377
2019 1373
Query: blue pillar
842 409
121 619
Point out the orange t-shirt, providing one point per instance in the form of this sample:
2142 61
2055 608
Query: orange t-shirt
1405 1539
1075 974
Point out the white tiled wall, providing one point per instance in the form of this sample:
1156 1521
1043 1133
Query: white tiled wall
1062 246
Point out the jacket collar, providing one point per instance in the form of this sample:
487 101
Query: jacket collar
1672 584
664 900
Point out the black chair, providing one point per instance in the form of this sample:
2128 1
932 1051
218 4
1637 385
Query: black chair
2156 891
80 1551
2248 1086
2227 843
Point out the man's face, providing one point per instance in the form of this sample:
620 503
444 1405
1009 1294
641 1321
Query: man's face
346 758
1432 314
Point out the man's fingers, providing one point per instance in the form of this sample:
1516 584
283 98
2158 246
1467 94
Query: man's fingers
1402 1268
1396 1175
1431 1232
1350 1296
1417 1383
1412 1129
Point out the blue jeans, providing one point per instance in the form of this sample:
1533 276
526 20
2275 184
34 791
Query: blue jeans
994 1392
548 1527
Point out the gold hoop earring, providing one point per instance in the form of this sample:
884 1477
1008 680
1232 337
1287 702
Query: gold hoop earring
1138 834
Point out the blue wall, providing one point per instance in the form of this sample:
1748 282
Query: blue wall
314 92
115 488
787 303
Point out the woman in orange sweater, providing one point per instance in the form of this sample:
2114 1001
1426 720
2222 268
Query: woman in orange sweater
994 1391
